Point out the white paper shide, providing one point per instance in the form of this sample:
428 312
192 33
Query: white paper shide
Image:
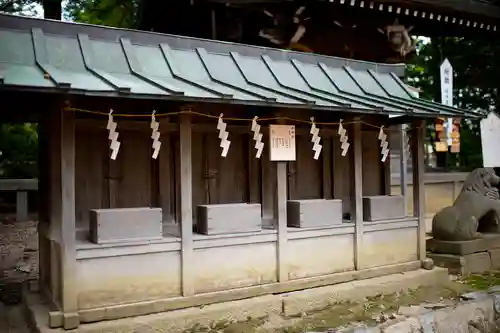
343 139
113 136
223 135
315 139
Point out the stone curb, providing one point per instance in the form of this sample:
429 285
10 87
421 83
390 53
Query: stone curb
476 313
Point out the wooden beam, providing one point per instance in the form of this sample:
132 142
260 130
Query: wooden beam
357 193
186 181
417 147
69 291
327 159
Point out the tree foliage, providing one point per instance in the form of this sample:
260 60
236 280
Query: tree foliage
23 7
114 13
476 69
19 150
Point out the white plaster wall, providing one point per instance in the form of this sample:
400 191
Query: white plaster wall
388 247
128 278
316 256
222 268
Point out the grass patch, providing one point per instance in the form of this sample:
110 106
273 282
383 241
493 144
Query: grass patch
483 281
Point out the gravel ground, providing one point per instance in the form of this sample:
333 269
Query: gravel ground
12 320
18 263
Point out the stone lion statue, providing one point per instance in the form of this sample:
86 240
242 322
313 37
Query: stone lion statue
479 201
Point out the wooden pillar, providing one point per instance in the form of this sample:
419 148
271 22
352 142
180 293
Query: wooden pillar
280 214
387 170
268 187
281 219
44 168
327 159
417 147
186 180
403 167
54 186
357 193
64 226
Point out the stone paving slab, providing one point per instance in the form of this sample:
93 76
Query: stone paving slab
479 312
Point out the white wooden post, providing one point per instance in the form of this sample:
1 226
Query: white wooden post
186 205
417 147
357 193
69 305
281 218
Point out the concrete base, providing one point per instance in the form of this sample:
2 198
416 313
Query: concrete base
283 304
468 264
489 241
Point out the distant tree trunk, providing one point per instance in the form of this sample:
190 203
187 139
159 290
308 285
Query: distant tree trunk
52 9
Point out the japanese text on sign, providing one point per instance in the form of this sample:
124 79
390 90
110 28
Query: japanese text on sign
282 143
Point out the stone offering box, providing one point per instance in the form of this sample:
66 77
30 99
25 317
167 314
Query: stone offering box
125 224
314 213
383 207
229 218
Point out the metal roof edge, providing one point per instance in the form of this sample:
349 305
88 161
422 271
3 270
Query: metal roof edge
71 29
412 99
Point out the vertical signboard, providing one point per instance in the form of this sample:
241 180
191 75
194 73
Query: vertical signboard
450 125
282 142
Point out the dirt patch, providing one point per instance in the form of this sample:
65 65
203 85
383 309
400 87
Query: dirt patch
18 257
370 311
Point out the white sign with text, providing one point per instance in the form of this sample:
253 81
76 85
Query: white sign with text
446 74
490 140
282 143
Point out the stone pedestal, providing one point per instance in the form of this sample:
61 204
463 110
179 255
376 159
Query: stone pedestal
463 265
489 241
466 257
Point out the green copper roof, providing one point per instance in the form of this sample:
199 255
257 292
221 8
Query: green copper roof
81 59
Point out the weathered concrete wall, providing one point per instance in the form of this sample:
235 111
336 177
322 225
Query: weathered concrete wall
388 247
107 277
236 266
129 273
441 189
320 255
